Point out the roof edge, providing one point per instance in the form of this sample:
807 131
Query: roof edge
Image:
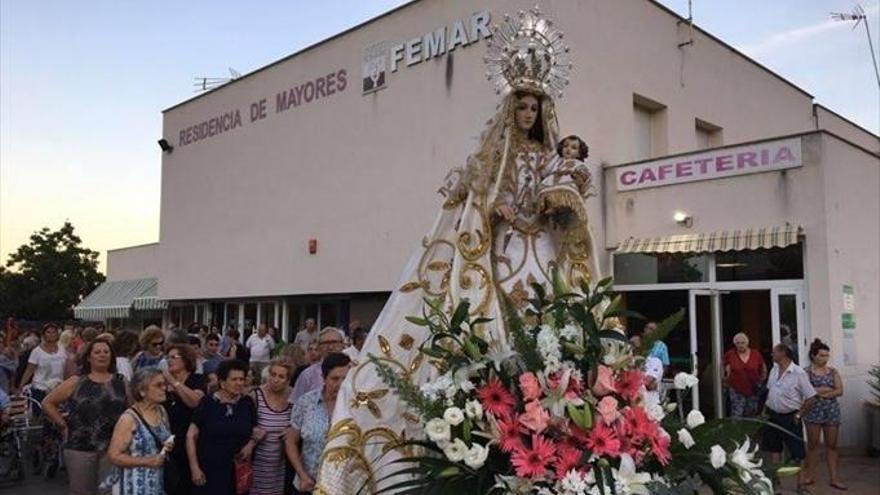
294 54
730 47
845 119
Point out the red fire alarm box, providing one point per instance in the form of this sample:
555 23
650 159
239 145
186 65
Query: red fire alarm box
313 246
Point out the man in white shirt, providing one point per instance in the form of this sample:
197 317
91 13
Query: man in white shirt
260 345
790 395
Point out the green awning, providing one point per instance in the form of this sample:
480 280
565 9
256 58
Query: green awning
117 298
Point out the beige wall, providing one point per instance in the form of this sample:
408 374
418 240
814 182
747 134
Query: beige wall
832 122
359 173
852 216
133 262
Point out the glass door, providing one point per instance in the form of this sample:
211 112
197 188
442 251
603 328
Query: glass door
705 330
787 313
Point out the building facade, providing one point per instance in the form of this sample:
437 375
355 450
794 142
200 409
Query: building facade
300 190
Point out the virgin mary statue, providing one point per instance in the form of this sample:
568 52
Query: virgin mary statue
510 217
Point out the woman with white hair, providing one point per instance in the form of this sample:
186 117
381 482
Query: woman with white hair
744 372
142 437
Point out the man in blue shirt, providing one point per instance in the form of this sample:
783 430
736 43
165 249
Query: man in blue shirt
659 349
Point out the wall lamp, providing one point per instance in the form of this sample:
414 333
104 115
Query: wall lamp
165 145
683 219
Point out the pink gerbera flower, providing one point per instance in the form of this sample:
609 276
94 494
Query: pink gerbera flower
660 447
567 458
636 423
510 434
496 399
603 441
533 462
629 383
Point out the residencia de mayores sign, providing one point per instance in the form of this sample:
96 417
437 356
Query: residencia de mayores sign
717 164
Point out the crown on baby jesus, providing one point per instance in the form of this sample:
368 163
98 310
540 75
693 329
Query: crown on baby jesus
526 53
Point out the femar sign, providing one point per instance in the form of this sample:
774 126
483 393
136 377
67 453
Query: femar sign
381 57
716 164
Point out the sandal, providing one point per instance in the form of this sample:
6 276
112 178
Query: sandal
839 486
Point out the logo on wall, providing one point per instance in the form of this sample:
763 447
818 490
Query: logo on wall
374 67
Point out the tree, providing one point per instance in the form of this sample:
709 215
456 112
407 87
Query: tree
47 277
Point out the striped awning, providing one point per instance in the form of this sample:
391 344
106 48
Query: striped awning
725 240
116 299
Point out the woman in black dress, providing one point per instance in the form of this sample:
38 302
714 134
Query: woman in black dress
223 428
185 389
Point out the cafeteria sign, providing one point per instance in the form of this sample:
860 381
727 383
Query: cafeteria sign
716 164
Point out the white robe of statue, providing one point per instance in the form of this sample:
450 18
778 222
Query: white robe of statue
471 252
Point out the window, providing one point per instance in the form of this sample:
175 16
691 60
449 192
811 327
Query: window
649 128
708 135
761 264
660 268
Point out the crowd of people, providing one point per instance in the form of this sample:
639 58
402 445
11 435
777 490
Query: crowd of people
177 411
793 398
196 411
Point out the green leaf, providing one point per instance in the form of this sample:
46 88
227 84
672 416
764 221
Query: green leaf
466 430
614 306
422 322
459 316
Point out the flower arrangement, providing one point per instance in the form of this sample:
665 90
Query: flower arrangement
564 411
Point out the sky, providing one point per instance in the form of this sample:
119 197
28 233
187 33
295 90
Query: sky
83 84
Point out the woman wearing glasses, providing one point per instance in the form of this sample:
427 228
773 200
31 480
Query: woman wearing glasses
152 348
185 389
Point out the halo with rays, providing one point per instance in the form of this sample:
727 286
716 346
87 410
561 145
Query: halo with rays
527 52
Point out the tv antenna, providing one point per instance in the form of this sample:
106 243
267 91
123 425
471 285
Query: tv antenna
207 83
858 15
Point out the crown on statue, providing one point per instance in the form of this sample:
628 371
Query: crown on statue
526 53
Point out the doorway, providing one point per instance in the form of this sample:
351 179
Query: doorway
765 316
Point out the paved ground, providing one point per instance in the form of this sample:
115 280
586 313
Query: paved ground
862 474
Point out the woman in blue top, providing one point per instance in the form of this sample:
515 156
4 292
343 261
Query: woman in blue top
142 437
310 421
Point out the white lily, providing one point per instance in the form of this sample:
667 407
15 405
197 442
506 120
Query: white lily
498 354
743 459
628 480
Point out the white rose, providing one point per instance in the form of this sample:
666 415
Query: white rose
476 456
438 430
685 438
656 412
456 450
717 456
453 416
685 380
570 332
672 406
473 409
695 418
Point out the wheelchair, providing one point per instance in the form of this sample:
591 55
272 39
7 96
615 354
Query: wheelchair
20 431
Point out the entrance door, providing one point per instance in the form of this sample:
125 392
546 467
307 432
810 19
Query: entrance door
705 329
787 313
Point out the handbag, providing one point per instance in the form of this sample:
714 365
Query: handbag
171 474
244 476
